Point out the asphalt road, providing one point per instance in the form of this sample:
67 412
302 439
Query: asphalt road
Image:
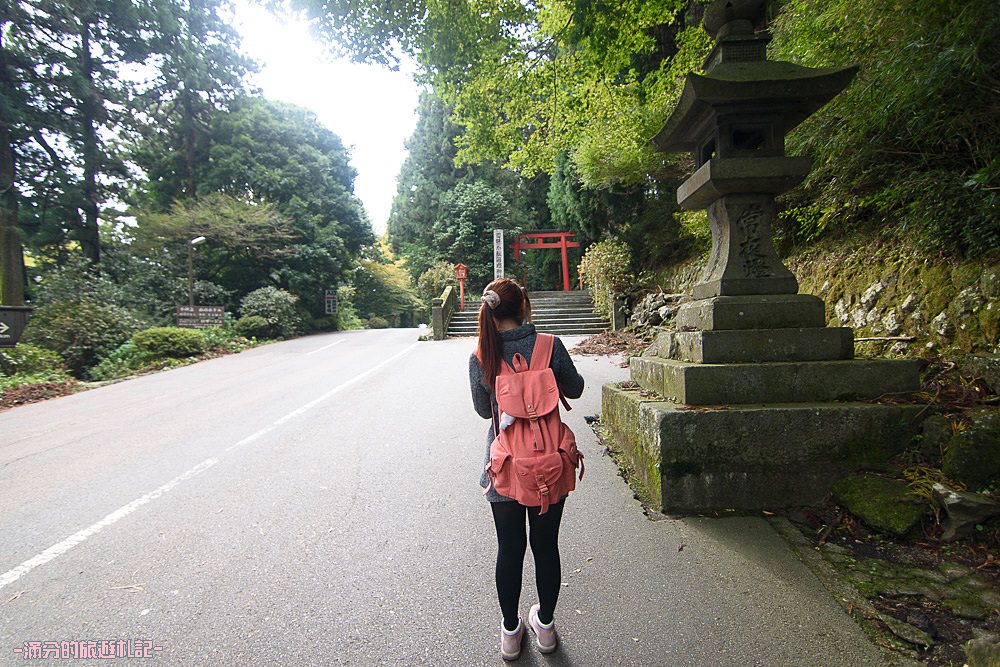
315 502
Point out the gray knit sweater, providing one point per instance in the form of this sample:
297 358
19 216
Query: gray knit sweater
521 339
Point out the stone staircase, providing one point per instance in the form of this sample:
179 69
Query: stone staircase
559 313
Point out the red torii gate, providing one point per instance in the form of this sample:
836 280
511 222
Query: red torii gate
547 241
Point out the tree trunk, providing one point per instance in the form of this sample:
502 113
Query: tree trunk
11 255
90 107
189 139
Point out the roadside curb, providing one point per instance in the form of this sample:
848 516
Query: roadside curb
856 605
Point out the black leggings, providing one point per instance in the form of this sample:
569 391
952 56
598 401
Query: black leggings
511 543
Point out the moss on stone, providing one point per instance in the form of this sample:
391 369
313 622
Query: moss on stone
620 414
883 504
972 456
989 323
963 590
965 274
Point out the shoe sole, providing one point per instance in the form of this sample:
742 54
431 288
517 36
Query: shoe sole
512 656
546 649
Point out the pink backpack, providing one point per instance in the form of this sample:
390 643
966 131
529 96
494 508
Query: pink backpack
534 459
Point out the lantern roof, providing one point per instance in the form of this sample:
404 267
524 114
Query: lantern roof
790 91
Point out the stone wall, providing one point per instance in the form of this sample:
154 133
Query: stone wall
950 307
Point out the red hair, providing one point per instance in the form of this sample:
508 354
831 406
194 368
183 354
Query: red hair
513 305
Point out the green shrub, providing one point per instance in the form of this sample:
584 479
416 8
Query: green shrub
223 339
254 326
169 342
27 358
82 331
325 323
125 360
24 379
277 307
606 269
378 322
432 282
347 315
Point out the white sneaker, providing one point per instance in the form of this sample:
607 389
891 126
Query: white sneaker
545 634
510 641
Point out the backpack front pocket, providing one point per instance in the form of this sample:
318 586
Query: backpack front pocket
538 477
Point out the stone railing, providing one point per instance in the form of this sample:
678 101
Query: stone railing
442 308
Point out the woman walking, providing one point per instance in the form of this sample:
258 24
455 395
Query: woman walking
505 330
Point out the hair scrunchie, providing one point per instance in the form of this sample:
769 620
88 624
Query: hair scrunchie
490 298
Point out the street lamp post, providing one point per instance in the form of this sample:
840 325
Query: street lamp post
198 240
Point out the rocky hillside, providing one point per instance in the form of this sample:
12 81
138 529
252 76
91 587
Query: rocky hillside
927 306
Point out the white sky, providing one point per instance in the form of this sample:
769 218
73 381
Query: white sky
372 109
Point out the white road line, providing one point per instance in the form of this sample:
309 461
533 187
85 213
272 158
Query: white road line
316 401
326 347
76 538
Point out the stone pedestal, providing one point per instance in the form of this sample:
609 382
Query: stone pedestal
756 418
749 457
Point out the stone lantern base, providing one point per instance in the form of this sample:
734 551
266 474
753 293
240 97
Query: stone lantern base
761 407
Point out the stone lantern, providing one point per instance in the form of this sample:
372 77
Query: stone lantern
734 119
781 401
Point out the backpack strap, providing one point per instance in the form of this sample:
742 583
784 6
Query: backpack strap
541 356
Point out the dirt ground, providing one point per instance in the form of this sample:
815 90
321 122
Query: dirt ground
33 393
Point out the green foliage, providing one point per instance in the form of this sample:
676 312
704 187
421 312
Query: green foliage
154 283
913 143
25 358
224 340
695 225
26 364
422 224
227 222
806 223
277 307
325 323
426 174
255 326
464 232
433 281
27 379
122 361
169 342
76 314
527 81
201 72
376 322
384 290
82 331
64 90
156 351
274 198
347 315
606 270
